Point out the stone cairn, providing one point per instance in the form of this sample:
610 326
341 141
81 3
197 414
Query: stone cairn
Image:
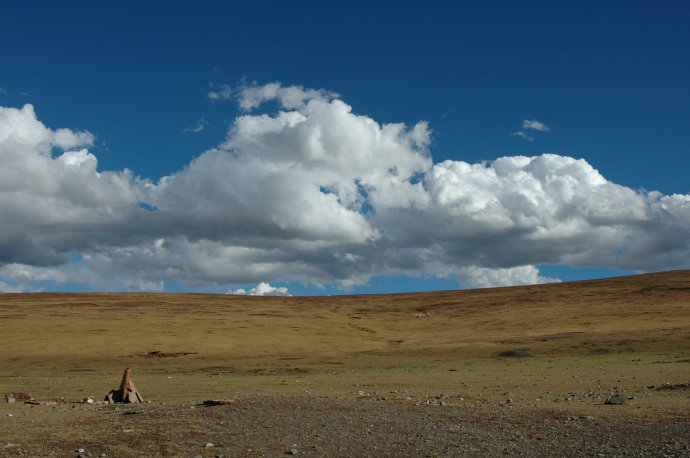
127 393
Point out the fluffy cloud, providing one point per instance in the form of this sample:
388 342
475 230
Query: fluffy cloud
52 205
263 289
28 278
483 277
317 194
290 97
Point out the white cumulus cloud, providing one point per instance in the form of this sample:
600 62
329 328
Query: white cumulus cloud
290 97
484 277
314 193
262 289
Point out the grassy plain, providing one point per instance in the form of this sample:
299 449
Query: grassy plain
585 341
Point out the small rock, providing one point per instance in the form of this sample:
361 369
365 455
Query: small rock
18 396
614 400
208 445
218 402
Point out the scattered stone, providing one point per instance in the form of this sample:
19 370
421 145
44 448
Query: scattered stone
614 400
673 386
208 445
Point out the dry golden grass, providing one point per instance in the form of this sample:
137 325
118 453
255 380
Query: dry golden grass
619 334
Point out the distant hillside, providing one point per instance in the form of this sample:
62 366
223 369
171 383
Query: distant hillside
639 312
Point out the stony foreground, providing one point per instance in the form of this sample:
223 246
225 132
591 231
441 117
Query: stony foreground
276 426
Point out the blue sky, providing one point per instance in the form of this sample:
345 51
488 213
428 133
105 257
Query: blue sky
154 87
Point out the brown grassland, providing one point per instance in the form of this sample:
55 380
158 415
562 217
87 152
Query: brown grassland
538 352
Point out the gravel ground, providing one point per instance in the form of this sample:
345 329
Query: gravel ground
312 426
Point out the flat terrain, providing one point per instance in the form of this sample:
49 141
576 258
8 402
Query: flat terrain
520 370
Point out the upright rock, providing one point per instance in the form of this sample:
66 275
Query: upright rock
127 393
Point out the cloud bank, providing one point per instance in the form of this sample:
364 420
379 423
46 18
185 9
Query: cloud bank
317 194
